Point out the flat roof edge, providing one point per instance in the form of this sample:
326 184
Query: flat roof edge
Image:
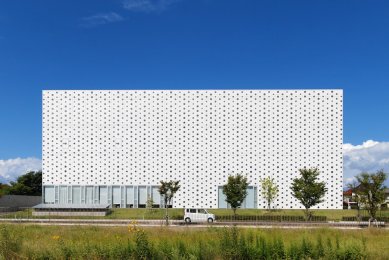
242 89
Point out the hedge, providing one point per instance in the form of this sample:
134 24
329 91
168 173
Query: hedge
273 218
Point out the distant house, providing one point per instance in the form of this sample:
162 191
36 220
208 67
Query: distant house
387 198
350 203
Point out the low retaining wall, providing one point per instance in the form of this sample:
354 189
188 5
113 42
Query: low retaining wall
19 201
69 213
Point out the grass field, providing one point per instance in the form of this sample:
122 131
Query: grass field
334 215
133 242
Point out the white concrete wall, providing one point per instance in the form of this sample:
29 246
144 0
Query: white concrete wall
199 137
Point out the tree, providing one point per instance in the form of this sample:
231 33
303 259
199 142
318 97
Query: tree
355 197
27 184
3 189
269 190
235 191
167 190
149 204
308 190
371 191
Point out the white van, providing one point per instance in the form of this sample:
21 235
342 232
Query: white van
198 215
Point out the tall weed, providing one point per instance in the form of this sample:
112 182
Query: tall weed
9 243
143 249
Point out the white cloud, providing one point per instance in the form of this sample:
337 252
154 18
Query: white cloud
100 19
12 168
367 144
370 156
148 6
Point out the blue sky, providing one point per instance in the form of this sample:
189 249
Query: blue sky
187 44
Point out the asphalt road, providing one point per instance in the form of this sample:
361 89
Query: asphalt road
181 224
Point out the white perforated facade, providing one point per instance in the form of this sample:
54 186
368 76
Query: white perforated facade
114 147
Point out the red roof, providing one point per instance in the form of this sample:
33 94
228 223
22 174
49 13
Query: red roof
348 192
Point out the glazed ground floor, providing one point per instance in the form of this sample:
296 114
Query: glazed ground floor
125 196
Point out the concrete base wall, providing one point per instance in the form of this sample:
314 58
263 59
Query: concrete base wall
67 213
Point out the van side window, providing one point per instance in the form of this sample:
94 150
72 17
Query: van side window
187 210
192 210
202 211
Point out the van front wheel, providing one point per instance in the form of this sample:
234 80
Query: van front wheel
187 220
210 220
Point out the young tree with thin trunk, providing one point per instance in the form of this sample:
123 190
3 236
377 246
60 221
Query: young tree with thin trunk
149 205
355 197
269 190
235 191
371 191
308 190
167 190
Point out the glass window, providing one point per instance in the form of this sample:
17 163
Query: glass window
116 195
103 195
76 195
142 191
250 198
49 195
249 202
222 204
156 195
130 195
89 195
63 195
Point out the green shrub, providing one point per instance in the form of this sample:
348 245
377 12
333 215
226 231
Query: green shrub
243 248
101 252
364 218
306 248
263 252
351 252
269 218
66 250
9 243
120 251
228 243
295 252
234 245
182 251
201 252
278 249
165 250
319 252
143 248
41 255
